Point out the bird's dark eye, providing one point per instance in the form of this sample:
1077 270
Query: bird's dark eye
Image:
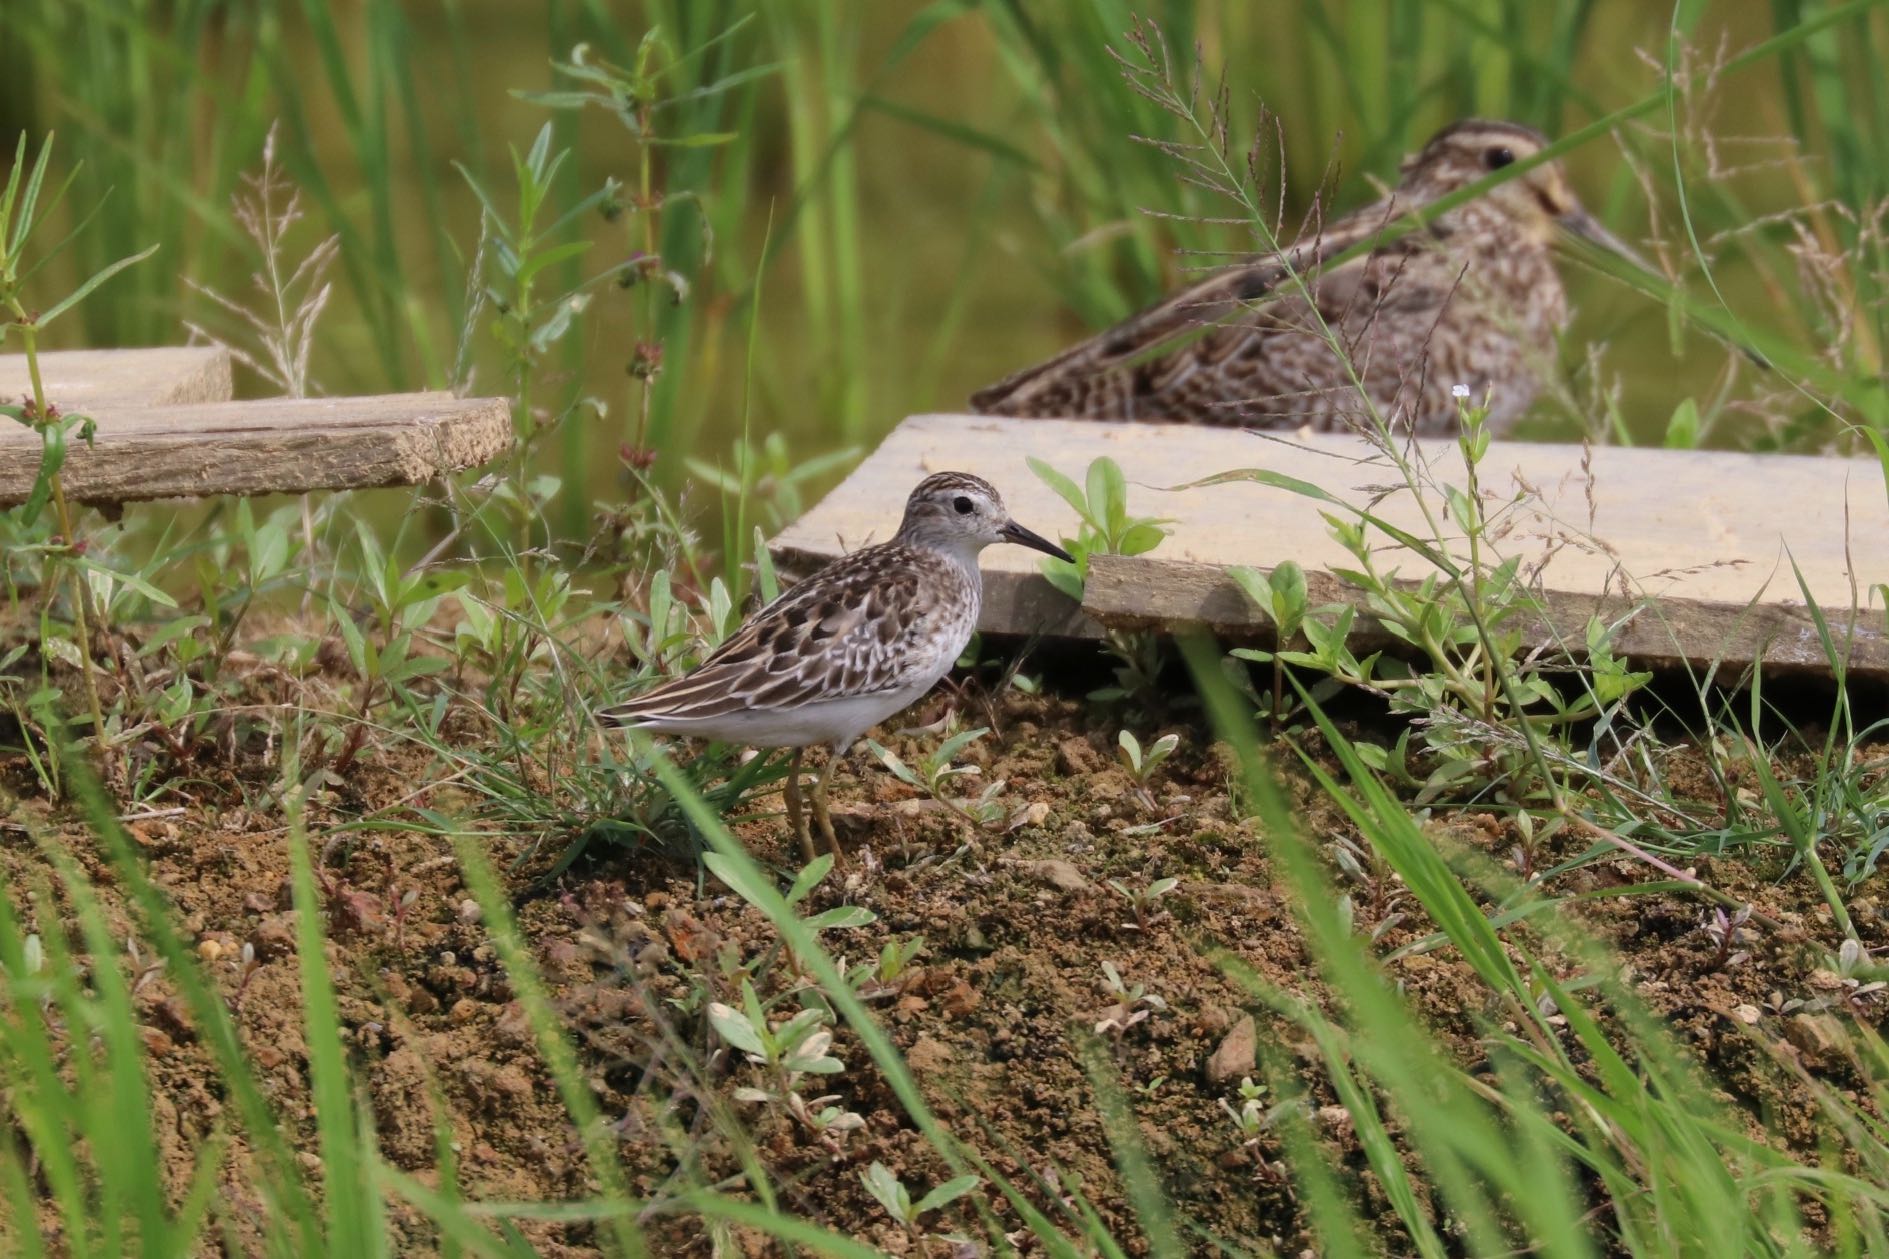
1498 157
962 504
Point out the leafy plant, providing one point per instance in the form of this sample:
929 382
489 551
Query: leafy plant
888 974
1133 1003
1101 504
1484 716
23 218
643 96
1145 901
1249 1118
521 251
935 771
1281 596
892 1194
785 1050
1143 764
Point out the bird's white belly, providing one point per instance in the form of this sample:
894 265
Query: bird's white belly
830 721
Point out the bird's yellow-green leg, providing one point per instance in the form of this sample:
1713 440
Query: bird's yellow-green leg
820 814
797 816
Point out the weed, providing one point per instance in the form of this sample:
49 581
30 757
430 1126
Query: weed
935 771
1249 1117
1280 596
785 1050
1145 901
1101 503
888 975
1727 933
892 1194
1143 764
1133 1003
62 552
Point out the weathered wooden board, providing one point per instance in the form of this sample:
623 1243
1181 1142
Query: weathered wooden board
86 380
280 445
1696 546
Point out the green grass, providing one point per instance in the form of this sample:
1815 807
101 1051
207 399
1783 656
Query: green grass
825 216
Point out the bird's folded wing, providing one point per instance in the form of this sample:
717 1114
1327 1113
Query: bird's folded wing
1116 372
841 634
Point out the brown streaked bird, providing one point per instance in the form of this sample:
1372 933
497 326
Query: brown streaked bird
862 639
1472 298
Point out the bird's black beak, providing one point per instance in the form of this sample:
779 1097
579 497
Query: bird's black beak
1014 532
1578 222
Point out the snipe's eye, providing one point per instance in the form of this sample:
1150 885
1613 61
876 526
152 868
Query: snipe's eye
1498 157
962 504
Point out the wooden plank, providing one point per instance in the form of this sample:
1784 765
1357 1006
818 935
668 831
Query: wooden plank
1142 592
89 380
280 445
1708 534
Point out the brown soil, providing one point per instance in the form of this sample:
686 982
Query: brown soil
992 1017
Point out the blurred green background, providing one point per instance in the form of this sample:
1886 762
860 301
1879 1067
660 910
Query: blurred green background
907 200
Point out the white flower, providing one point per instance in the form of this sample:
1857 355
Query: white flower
1459 391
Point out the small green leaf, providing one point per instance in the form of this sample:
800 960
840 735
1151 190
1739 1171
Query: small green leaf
136 583
884 1186
1066 489
732 1026
1140 538
735 877
809 877
351 636
25 205
889 759
1064 576
1288 594
551 257
957 743
1478 445
79 294
766 581
843 916
1108 495
1254 584
946 1194
1682 429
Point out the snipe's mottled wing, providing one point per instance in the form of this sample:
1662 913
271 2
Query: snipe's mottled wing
1126 373
849 630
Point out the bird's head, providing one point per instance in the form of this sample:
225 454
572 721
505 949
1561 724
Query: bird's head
963 514
1539 202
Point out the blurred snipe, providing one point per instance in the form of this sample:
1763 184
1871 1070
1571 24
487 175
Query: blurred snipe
1472 298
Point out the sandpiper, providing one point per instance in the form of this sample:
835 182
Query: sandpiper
1471 298
850 646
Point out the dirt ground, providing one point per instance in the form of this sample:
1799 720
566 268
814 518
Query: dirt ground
991 1016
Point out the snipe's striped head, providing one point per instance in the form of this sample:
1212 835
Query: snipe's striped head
1537 202
962 514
